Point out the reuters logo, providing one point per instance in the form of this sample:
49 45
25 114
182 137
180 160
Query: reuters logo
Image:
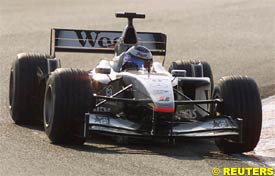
215 171
233 171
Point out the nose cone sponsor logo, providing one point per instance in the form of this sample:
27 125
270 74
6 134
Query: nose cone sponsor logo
160 91
164 98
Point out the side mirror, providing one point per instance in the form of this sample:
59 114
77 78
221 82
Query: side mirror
53 64
197 70
178 73
103 70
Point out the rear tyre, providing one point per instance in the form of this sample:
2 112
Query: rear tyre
26 90
187 65
68 96
241 99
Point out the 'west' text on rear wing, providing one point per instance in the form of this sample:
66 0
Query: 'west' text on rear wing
94 41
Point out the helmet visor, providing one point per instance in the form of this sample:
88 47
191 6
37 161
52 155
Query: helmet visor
139 63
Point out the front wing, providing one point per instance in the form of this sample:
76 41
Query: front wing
212 127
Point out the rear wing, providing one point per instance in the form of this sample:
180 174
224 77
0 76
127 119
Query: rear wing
94 41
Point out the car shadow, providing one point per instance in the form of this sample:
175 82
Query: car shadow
187 149
198 149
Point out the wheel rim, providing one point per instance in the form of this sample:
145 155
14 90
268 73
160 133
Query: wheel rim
48 107
11 90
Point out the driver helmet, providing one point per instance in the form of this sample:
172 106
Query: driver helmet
137 57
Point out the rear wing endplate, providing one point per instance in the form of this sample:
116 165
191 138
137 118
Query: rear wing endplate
94 41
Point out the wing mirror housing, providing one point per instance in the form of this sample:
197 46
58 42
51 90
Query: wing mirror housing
178 73
103 70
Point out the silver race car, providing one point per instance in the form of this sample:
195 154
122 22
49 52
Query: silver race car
132 95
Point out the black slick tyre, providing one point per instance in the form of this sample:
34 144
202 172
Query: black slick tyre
241 99
187 65
68 96
26 90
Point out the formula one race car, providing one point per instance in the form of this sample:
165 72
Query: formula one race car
132 95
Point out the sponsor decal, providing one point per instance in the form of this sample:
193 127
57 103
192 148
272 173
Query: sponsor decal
219 123
188 113
93 39
101 120
102 109
158 83
159 91
164 98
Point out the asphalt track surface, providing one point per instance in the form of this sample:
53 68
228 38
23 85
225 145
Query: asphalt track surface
235 37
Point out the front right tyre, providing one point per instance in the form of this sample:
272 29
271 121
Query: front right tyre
26 89
187 65
68 96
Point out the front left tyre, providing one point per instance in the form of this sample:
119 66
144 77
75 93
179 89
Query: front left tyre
68 96
240 99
